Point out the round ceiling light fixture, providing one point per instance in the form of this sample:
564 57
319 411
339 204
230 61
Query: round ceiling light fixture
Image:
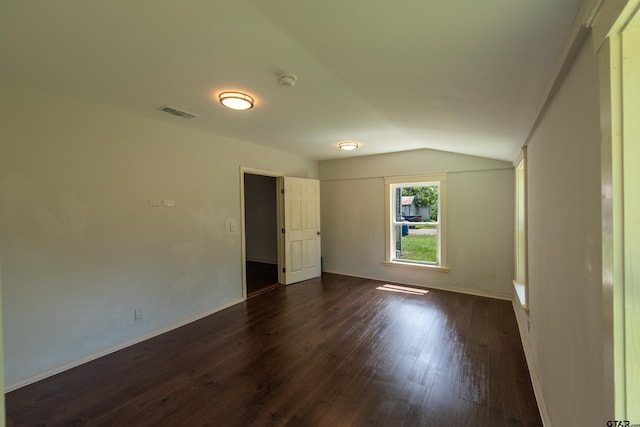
348 145
236 100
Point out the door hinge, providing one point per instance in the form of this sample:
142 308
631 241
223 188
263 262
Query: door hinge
282 191
284 270
283 231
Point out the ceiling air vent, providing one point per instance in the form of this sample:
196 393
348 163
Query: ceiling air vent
177 112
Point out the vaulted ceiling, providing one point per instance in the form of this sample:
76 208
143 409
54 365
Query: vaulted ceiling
464 76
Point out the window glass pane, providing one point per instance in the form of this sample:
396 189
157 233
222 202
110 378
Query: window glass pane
398 204
420 201
414 204
398 239
520 225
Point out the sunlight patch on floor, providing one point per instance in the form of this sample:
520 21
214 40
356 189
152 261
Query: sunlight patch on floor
403 289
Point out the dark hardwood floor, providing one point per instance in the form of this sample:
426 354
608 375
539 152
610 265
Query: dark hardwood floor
333 351
260 277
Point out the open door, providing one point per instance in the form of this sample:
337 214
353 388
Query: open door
301 229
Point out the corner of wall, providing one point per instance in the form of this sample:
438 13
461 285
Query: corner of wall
522 319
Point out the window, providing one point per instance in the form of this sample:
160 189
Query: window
415 214
520 281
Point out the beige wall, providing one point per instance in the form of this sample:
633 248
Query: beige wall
565 273
480 198
81 247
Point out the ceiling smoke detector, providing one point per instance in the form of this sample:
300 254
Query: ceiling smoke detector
288 80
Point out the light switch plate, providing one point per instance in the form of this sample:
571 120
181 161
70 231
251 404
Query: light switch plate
232 225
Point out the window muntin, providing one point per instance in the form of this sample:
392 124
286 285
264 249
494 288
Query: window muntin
415 220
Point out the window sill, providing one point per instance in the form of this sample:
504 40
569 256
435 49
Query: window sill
418 266
520 292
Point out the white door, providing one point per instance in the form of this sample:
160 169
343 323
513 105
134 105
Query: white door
301 229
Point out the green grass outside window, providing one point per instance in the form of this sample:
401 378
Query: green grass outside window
420 248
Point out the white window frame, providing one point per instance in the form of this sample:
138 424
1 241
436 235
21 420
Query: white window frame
416 180
521 238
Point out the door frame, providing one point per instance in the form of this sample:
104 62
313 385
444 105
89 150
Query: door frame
280 222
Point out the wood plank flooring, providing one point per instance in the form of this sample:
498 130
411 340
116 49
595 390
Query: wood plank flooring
260 277
332 351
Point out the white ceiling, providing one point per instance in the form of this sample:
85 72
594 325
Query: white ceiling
464 76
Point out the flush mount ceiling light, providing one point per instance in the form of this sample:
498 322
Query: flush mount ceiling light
348 145
236 100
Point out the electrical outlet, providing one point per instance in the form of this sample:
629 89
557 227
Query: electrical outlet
137 314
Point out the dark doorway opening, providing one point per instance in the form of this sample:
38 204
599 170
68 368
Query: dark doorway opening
261 237
261 277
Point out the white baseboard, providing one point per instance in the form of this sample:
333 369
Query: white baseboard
533 372
98 354
441 288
